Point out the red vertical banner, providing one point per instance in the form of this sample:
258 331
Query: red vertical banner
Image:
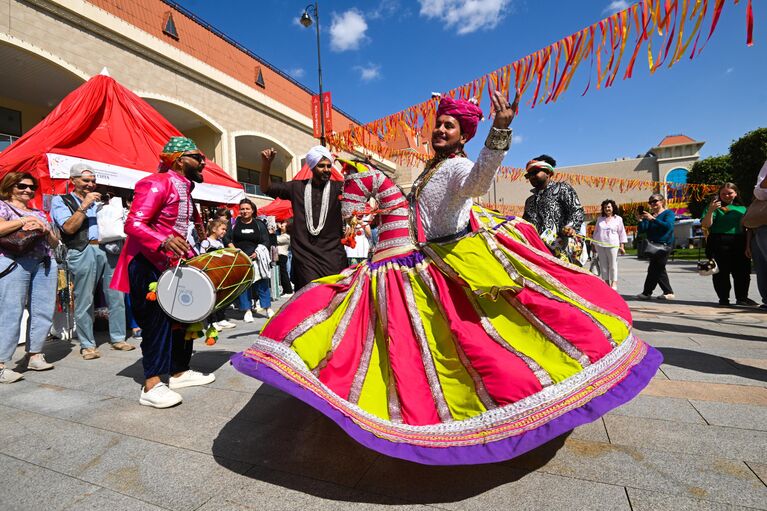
316 116
327 111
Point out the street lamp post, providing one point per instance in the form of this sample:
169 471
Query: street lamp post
306 21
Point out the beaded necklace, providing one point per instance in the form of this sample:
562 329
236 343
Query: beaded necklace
325 205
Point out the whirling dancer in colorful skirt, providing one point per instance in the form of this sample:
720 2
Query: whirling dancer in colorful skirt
463 340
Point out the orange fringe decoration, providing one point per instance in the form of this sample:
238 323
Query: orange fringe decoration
551 69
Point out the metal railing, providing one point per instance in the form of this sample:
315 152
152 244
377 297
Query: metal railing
6 140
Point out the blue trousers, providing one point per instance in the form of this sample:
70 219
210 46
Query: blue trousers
88 266
29 283
164 349
261 288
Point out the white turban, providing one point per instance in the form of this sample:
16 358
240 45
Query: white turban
317 153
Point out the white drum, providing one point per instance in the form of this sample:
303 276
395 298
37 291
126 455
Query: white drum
186 294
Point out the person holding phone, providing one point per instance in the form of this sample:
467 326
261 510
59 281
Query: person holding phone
726 244
75 214
658 225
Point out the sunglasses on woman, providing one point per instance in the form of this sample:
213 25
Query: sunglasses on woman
653 201
25 186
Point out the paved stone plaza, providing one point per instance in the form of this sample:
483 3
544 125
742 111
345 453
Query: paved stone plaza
76 437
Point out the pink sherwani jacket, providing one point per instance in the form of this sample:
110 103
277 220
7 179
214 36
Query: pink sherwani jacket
162 205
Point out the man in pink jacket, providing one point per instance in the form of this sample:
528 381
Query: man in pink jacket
157 224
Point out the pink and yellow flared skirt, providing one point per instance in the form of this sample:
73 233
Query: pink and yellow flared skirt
473 351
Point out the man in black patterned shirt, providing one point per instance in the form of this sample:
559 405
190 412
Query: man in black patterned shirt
553 208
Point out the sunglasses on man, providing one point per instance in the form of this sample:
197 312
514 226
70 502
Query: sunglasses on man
25 186
196 156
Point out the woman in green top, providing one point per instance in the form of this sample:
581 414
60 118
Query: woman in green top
726 244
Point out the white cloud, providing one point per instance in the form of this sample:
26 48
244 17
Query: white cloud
615 6
466 15
370 72
384 9
297 72
517 139
347 30
729 70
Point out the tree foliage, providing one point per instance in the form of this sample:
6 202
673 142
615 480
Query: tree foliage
712 170
747 155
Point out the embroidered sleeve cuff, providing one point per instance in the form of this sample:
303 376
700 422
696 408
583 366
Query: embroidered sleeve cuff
498 139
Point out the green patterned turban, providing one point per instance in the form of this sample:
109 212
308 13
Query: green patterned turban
173 150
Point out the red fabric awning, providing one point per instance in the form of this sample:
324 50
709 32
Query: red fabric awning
280 209
306 173
121 135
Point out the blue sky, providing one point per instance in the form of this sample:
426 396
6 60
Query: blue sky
380 56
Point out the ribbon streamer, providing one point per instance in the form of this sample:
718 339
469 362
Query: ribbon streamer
551 70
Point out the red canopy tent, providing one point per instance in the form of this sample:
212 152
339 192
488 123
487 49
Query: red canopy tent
280 209
106 125
306 173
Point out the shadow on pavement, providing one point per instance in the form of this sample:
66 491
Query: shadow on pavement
205 360
56 349
712 364
293 446
658 326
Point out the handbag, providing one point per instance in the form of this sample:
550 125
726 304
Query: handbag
19 242
652 247
707 268
756 215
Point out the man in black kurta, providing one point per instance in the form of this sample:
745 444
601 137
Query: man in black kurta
317 254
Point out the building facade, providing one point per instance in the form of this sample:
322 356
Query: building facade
232 103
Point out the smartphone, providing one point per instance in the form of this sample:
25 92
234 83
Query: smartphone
640 210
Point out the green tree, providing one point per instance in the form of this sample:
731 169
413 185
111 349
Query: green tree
711 171
747 155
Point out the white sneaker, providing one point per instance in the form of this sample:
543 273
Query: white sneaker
668 296
269 313
260 310
225 325
9 375
248 317
190 379
159 397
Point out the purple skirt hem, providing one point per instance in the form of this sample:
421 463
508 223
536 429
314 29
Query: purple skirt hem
492 452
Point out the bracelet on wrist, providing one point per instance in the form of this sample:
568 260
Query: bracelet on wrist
498 139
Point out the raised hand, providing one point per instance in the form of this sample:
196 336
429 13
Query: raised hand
268 155
504 111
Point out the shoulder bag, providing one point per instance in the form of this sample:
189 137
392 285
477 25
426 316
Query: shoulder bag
19 242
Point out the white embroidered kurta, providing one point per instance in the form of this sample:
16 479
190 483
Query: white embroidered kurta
445 201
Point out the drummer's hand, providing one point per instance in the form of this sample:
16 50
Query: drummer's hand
253 255
177 245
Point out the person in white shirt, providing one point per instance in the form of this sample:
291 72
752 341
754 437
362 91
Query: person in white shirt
283 247
611 235
216 231
756 240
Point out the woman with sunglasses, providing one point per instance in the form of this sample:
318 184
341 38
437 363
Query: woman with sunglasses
658 224
29 279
